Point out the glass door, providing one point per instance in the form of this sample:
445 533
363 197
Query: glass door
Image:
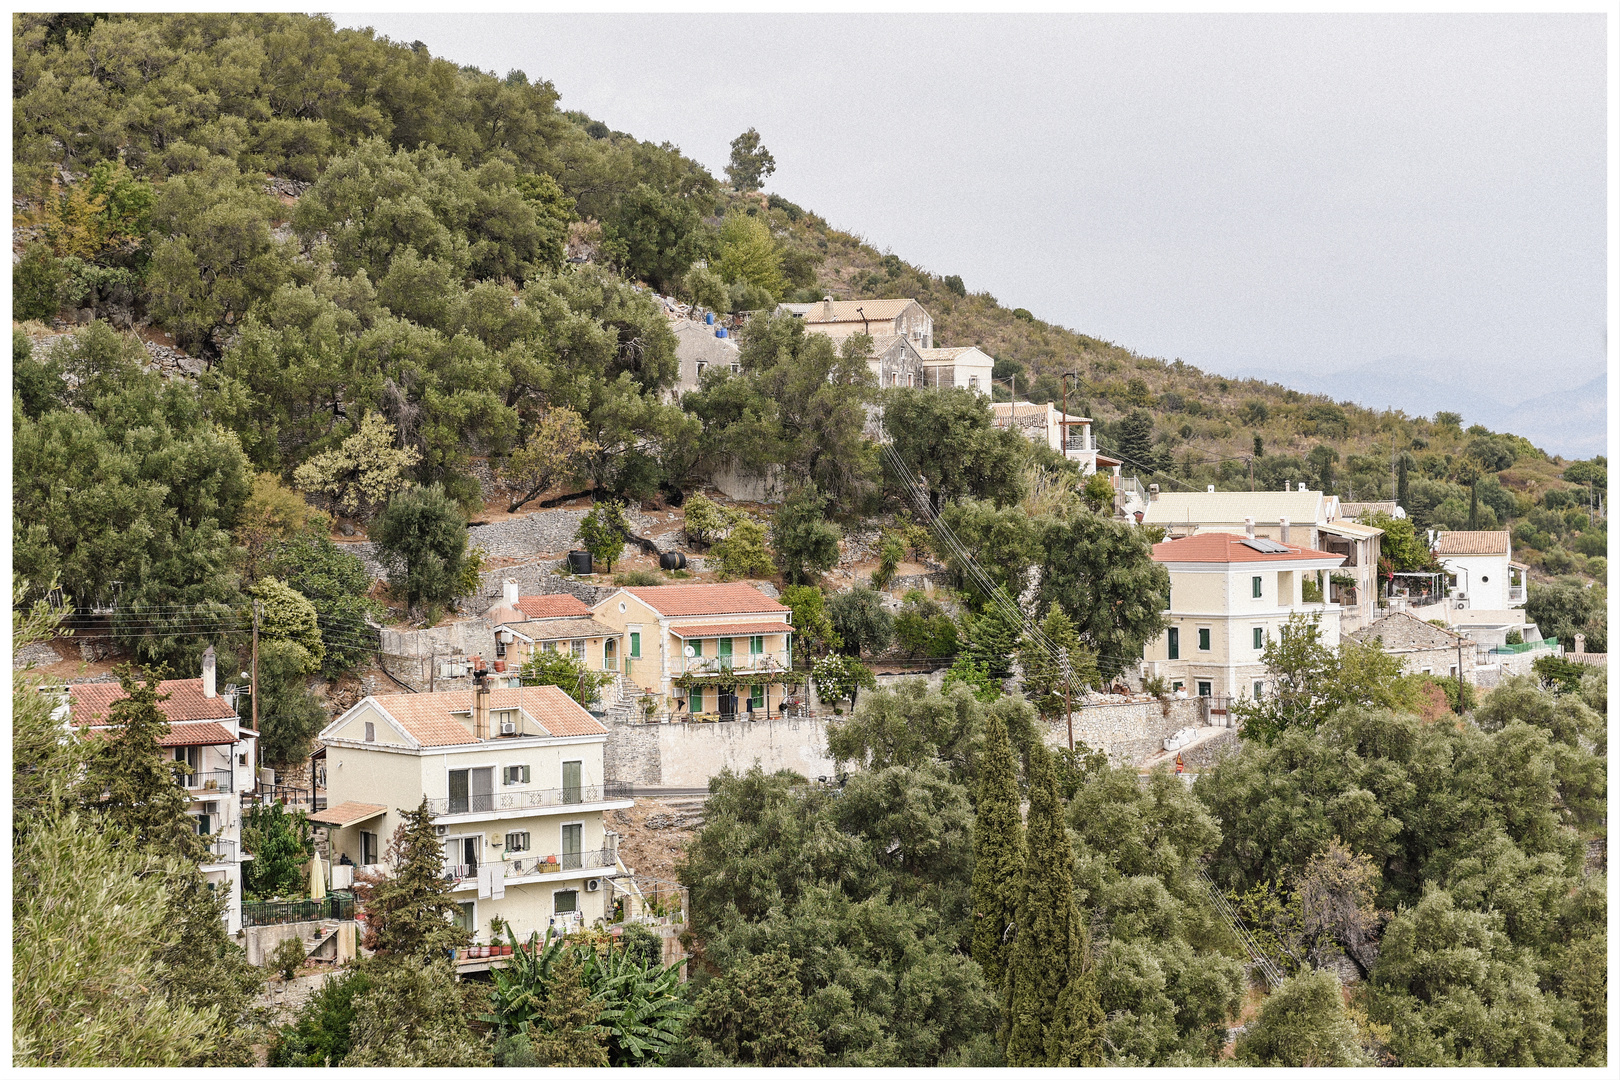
481 790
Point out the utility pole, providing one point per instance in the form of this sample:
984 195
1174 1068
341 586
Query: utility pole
1461 694
1068 708
1251 472
255 676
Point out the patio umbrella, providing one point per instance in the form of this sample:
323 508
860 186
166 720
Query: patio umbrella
317 879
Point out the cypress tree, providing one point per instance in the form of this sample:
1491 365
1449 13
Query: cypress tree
1051 1003
409 913
997 851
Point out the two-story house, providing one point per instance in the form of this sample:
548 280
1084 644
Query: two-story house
699 348
1293 515
1481 570
514 780
839 319
1068 434
967 366
722 650
205 734
1229 595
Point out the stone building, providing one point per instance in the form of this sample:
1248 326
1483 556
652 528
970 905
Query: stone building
1422 647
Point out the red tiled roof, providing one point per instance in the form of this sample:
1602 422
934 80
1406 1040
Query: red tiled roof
432 721
1472 543
730 629
730 599
1229 548
90 702
552 606
199 734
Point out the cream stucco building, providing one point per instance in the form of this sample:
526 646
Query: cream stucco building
514 781
1229 595
723 650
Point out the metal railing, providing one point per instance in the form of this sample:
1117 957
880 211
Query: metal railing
775 663
337 905
1546 645
529 865
209 780
220 850
1515 592
502 801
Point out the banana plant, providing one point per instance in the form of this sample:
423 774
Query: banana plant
643 1009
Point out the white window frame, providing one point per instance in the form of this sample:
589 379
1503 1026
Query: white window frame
522 842
523 775
375 853
557 892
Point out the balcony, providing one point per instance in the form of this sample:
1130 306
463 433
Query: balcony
1515 594
207 783
219 850
741 667
503 802
532 865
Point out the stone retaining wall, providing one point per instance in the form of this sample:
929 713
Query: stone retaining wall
1207 753
689 755
1128 732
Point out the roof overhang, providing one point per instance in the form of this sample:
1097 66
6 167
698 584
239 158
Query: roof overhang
345 814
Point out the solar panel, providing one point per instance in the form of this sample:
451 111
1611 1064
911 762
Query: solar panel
1269 547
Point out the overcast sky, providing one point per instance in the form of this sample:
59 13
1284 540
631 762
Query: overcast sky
1297 195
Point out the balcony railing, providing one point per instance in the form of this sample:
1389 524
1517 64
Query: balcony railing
767 665
209 780
220 850
531 799
529 865
337 905
1515 593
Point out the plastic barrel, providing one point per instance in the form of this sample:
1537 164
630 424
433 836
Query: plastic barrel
672 560
708 317
579 562
720 332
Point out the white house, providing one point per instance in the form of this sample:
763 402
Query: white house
1229 595
206 734
514 781
1481 569
966 366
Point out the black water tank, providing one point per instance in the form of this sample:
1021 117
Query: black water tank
672 560
579 562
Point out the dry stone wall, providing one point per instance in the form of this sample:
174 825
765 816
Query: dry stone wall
1128 732
690 755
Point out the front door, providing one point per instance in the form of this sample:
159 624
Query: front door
472 791
728 701
610 654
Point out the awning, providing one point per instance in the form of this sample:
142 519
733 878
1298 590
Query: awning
736 629
1350 530
348 813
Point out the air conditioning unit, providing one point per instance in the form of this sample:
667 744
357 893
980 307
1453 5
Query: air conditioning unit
440 830
210 808
508 727
593 885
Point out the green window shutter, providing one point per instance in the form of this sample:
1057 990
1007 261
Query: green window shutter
756 644
1203 640
756 695
1174 643
635 644
697 647
1254 584
1259 637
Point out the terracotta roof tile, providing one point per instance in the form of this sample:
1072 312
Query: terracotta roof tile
1472 543
562 629
432 721
731 629
347 813
552 606
196 734
729 599
1227 548
186 702
843 311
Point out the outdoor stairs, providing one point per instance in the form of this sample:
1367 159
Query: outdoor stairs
622 697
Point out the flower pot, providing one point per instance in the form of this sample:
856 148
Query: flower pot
506 950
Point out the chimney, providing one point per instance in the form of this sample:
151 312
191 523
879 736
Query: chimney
1210 489
1580 644
1302 485
1153 492
509 593
1248 527
208 672
480 700
1286 487
826 309
1283 522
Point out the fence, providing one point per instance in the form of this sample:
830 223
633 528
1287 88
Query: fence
1547 645
496 802
537 864
337 905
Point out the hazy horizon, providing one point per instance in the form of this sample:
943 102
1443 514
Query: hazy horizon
1305 198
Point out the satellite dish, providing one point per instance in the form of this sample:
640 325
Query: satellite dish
688 651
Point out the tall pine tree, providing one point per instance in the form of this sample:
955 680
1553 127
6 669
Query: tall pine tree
1052 1005
409 913
997 851
130 780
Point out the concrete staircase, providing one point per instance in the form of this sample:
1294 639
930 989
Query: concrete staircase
622 698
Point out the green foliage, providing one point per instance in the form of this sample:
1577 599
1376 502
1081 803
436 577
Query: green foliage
336 584
891 550
662 235
1098 492
703 520
409 913
973 674
805 543
860 621
130 785
1102 573
1044 682
1303 1024
281 845
285 616
946 440
755 1015
321 1035
1309 681
998 851
742 553
364 472
638 578
839 676
643 1009
37 283
582 684
991 639
921 628
93 1004
1052 1007
553 453
414 1014
748 255
602 531
642 944
1565 607
43 762
287 958
750 162
813 631
542 1010
421 538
